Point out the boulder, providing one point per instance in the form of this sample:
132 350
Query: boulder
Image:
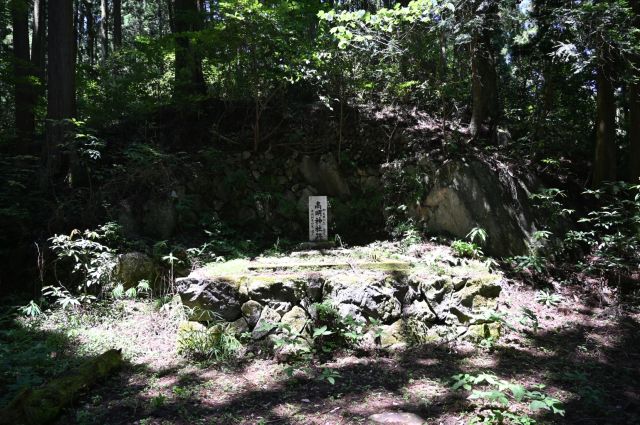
482 331
480 292
267 317
251 311
296 319
324 174
396 418
393 335
365 295
133 267
239 326
460 195
211 298
420 310
270 288
159 218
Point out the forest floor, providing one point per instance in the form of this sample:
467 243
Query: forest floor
585 351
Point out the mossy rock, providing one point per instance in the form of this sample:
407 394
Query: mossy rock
267 317
251 311
34 406
485 330
271 287
296 319
486 286
393 335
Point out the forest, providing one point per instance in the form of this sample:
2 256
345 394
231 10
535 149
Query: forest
320 212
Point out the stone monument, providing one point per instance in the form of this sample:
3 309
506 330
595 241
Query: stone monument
318 221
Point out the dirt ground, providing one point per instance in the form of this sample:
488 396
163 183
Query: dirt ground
578 343
586 352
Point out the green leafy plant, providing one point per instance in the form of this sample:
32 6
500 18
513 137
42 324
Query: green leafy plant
32 309
92 263
503 398
548 298
610 232
465 249
477 235
529 319
217 342
534 261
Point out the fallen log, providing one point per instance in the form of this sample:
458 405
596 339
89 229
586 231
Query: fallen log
42 405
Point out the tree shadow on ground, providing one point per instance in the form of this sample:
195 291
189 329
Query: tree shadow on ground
599 380
592 366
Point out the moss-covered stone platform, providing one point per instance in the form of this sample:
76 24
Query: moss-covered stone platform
418 293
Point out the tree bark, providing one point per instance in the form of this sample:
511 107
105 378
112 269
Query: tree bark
634 109
24 94
61 83
634 128
484 79
605 159
77 39
189 79
38 38
104 29
87 7
117 24
172 16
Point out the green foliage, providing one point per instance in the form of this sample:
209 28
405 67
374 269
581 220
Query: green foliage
534 261
477 235
91 262
610 235
504 400
217 343
547 298
465 249
32 309
143 288
529 319
29 357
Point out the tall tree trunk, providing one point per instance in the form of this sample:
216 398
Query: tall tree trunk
61 83
634 128
38 37
117 24
24 94
87 7
605 159
189 79
634 109
77 40
484 79
172 16
104 29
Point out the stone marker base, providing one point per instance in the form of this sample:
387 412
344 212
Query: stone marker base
318 245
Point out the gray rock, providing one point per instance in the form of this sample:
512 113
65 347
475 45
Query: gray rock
462 195
159 218
315 283
396 418
296 319
251 311
133 267
271 288
267 317
393 335
302 204
211 298
419 310
324 173
364 295
239 326
281 307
